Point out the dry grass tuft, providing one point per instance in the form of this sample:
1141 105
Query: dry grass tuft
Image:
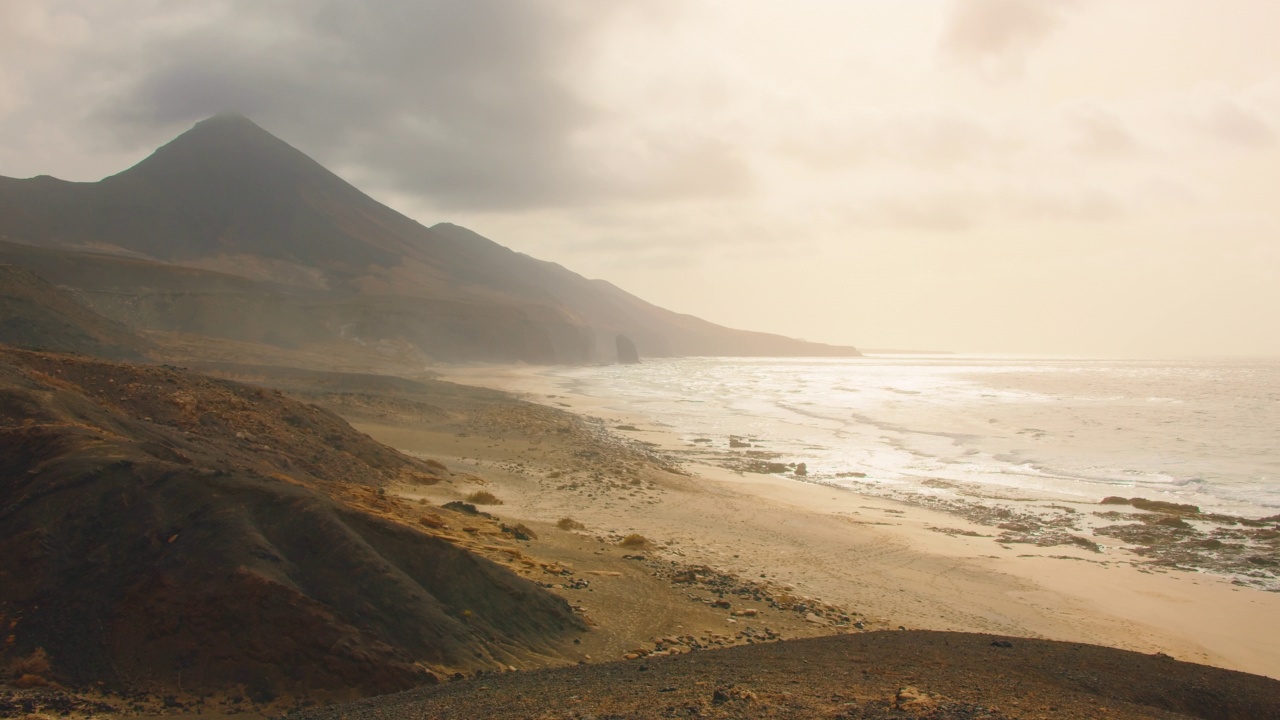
520 531
634 540
483 497
570 524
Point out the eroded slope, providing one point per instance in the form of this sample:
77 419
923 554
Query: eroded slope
160 530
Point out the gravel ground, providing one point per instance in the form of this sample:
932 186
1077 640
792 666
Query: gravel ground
893 674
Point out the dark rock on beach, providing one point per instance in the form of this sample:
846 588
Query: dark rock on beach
1160 506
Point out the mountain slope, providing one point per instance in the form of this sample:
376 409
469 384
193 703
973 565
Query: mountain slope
160 530
324 262
36 315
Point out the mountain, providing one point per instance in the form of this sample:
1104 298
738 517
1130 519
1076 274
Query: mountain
164 531
230 232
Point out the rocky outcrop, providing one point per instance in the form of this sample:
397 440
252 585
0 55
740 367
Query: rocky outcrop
627 353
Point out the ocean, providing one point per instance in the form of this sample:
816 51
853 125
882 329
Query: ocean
1201 432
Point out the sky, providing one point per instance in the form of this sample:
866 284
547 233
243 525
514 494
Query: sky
1082 177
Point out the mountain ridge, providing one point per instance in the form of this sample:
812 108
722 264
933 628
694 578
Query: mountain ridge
328 263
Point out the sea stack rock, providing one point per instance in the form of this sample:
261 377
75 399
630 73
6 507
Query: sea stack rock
627 354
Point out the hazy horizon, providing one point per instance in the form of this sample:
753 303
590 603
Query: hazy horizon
1041 177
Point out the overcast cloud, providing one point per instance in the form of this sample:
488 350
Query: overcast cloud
998 35
464 102
965 174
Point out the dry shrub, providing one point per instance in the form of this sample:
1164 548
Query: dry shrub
29 672
483 497
634 540
37 663
570 524
435 465
520 531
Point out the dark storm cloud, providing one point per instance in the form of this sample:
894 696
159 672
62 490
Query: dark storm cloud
459 100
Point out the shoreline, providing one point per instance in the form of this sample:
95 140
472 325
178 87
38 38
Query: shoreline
908 565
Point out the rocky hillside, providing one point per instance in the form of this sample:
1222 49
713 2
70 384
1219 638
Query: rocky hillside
228 231
162 530
38 316
889 675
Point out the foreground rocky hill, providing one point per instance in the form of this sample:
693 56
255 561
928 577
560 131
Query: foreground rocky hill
889 674
229 232
162 531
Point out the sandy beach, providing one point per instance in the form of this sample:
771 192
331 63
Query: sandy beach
889 564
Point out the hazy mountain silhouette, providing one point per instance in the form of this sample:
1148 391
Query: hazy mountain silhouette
228 231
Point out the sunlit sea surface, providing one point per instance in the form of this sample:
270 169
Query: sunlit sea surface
1205 432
